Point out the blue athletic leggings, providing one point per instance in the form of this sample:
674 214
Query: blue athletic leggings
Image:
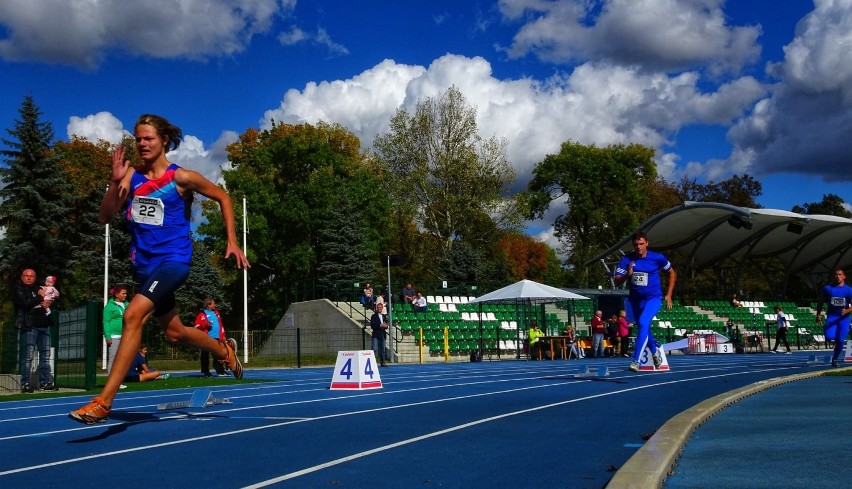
837 329
644 311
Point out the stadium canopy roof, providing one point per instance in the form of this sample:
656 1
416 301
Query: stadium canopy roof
810 246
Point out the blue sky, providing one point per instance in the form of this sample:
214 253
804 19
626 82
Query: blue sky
717 88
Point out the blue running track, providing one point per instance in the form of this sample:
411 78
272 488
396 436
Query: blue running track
489 424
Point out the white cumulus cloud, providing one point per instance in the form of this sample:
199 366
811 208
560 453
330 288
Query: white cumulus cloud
83 32
595 104
656 34
101 126
803 126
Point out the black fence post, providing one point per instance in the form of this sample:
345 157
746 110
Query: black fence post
93 312
299 347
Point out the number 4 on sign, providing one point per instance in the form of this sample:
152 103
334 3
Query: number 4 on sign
646 361
354 370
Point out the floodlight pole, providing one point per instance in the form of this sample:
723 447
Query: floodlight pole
106 294
390 316
245 289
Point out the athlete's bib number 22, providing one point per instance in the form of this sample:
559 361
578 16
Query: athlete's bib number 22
146 210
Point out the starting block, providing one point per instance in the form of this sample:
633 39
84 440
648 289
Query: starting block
584 372
201 398
812 360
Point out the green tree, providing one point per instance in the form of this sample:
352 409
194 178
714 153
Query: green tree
291 176
87 165
343 260
444 176
35 198
605 194
831 205
738 190
467 265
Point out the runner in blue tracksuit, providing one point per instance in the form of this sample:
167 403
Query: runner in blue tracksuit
641 269
839 299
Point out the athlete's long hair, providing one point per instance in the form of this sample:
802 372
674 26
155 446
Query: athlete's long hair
165 129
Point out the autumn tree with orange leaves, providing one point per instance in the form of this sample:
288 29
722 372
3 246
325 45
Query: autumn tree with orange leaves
527 257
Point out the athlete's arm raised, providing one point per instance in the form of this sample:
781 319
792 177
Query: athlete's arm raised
118 186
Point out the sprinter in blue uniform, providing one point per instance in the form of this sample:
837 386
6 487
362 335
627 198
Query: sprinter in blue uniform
839 299
641 270
158 196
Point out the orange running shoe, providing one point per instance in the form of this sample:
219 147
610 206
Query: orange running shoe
233 362
94 412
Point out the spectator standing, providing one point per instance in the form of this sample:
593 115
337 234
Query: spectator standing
112 320
156 197
641 269
780 329
598 332
839 299
408 295
623 332
31 321
536 345
419 303
380 299
612 333
140 371
209 321
379 325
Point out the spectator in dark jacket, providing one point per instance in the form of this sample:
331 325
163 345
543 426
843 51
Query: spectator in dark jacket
31 320
379 325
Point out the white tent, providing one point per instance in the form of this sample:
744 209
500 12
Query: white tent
529 296
529 292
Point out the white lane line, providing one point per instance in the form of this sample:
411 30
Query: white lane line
252 408
370 411
502 379
383 448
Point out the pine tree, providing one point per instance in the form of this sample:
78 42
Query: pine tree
343 258
34 194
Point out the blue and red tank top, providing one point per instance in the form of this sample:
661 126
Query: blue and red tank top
158 216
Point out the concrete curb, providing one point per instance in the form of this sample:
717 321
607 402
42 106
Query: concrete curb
652 464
